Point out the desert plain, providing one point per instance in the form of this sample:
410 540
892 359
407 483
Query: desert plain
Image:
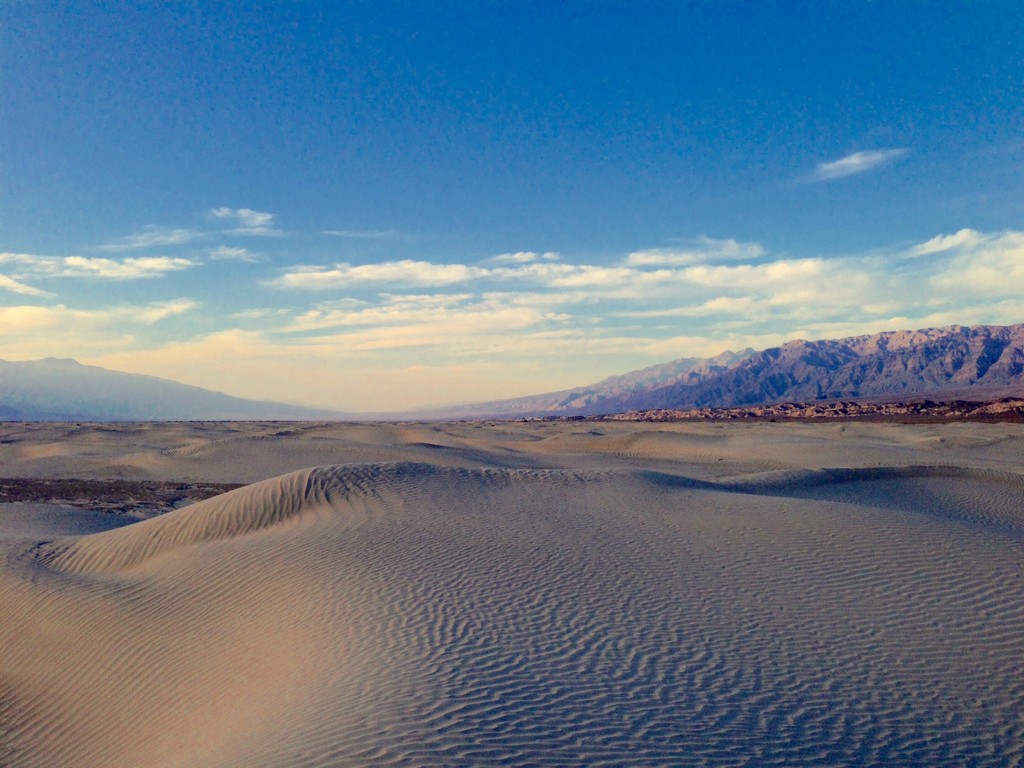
512 593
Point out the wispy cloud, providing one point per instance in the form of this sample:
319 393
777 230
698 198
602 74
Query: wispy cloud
721 305
984 269
945 243
523 257
704 250
131 268
262 313
152 237
16 286
160 310
245 221
124 269
425 320
596 278
403 272
858 162
227 253
38 331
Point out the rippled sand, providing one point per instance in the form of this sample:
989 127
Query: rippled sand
520 594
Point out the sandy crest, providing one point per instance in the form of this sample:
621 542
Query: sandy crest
637 596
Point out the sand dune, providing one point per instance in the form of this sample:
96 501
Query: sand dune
422 614
224 452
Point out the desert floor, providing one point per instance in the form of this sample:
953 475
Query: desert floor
573 593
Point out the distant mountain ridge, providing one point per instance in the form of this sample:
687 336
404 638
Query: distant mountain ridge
893 364
65 390
593 396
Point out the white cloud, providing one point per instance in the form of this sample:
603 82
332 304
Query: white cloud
590 282
245 217
772 293
246 221
130 268
31 332
943 243
426 318
991 268
19 320
541 272
473 336
588 276
707 250
149 314
407 272
227 253
404 272
15 286
523 257
858 162
28 318
152 237
773 273
259 314
721 305
124 269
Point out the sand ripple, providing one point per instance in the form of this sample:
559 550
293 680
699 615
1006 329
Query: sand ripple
407 614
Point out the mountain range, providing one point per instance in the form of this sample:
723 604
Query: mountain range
987 360
65 390
983 361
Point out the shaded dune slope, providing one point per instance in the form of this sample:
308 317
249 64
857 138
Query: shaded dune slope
407 614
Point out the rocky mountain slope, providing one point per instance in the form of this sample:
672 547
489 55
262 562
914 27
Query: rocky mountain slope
955 360
589 398
890 364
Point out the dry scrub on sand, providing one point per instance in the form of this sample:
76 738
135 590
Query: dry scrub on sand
544 594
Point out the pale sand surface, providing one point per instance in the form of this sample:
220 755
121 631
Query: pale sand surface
519 594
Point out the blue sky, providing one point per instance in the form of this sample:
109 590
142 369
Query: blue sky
375 206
